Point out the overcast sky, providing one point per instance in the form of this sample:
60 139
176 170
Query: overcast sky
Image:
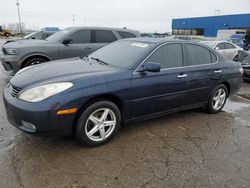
143 15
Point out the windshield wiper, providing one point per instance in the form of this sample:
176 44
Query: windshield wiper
99 60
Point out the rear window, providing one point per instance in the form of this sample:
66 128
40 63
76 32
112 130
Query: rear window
196 55
125 35
104 36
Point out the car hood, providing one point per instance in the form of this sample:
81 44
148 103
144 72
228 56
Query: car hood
24 42
59 71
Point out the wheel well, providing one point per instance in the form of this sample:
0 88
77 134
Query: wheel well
32 57
91 101
228 86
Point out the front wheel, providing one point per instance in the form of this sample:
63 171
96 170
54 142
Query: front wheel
35 61
98 123
218 99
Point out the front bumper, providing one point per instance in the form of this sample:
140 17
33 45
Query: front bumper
36 118
10 63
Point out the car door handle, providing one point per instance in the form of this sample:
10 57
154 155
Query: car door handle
88 48
218 71
182 76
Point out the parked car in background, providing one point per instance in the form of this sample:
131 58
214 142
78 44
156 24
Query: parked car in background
128 80
244 59
38 35
68 43
228 49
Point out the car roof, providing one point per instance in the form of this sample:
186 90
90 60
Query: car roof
159 41
104 28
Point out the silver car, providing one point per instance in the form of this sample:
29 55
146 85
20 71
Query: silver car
68 43
227 49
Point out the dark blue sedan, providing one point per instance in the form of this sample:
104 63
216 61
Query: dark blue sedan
127 80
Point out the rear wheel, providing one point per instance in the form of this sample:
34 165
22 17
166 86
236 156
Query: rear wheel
218 99
35 61
98 123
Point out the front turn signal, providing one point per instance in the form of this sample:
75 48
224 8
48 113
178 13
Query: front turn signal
67 111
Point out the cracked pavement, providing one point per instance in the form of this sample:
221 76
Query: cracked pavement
185 149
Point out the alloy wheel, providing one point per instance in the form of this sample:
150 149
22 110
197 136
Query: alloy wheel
100 124
219 99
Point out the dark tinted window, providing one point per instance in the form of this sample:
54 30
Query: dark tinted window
229 46
105 36
196 55
125 35
83 36
168 56
220 46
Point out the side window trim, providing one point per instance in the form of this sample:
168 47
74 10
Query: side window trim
211 52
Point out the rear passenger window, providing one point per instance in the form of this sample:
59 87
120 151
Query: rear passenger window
229 46
169 56
104 36
125 35
196 55
79 37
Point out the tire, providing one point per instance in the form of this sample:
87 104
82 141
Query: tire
212 106
236 58
34 61
92 123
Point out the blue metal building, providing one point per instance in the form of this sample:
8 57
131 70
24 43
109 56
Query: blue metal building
208 26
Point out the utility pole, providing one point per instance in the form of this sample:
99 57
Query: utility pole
73 20
19 17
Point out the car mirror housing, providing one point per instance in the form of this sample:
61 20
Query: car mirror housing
67 41
150 67
217 48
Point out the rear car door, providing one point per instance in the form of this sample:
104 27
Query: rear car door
81 45
102 38
161 91
202 73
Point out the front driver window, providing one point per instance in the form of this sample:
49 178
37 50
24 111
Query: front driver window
169 56
79 37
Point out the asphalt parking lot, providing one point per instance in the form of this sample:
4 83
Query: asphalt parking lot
186 149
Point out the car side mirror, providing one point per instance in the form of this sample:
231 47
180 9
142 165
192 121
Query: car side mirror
217 48
67 41
150 67
33 38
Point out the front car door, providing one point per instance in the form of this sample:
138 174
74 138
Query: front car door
153 93
80 46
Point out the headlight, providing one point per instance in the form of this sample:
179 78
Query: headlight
40 93
12 51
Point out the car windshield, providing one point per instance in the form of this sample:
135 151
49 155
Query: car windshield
58 35
209 43
123 53
30 35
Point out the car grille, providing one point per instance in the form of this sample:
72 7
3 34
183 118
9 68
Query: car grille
14 90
